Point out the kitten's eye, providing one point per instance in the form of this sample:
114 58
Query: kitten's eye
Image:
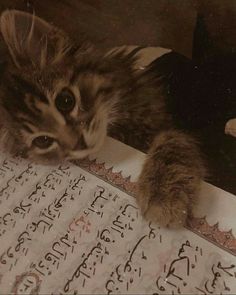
43 142
65 101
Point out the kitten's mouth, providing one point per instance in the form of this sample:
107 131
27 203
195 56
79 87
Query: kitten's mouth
79 154
80 150
87 145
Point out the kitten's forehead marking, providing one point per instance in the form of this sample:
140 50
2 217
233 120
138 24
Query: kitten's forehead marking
31 127
50 115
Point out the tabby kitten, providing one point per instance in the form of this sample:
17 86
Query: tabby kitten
59 100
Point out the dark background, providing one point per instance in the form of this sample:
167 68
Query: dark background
204 31
167 23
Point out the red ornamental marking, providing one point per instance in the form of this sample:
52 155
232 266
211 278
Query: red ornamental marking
85 224
212 233
31 279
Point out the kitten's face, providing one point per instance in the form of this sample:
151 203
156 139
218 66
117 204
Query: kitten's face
53 110
56 118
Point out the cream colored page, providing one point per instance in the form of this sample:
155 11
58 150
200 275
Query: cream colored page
75 230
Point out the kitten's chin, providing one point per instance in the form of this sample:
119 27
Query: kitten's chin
77 155
45 161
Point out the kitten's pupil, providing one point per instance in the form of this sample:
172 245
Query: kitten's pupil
43 142
65 101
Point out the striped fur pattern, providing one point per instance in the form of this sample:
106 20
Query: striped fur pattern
59 100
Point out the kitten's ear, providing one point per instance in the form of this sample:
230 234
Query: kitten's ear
31 40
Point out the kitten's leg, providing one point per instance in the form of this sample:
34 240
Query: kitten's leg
170 180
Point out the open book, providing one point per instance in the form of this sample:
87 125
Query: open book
76 229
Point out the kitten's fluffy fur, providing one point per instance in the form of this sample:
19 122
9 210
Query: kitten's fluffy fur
111 97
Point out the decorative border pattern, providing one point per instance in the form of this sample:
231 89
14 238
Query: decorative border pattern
223 239
114 178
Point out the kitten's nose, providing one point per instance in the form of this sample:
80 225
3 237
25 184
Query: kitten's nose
81 144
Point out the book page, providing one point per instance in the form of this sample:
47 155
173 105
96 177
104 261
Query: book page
76 229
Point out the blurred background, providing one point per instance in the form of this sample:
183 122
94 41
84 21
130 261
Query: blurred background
165 23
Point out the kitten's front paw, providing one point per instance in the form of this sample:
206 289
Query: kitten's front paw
169 183
166 212
167 203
